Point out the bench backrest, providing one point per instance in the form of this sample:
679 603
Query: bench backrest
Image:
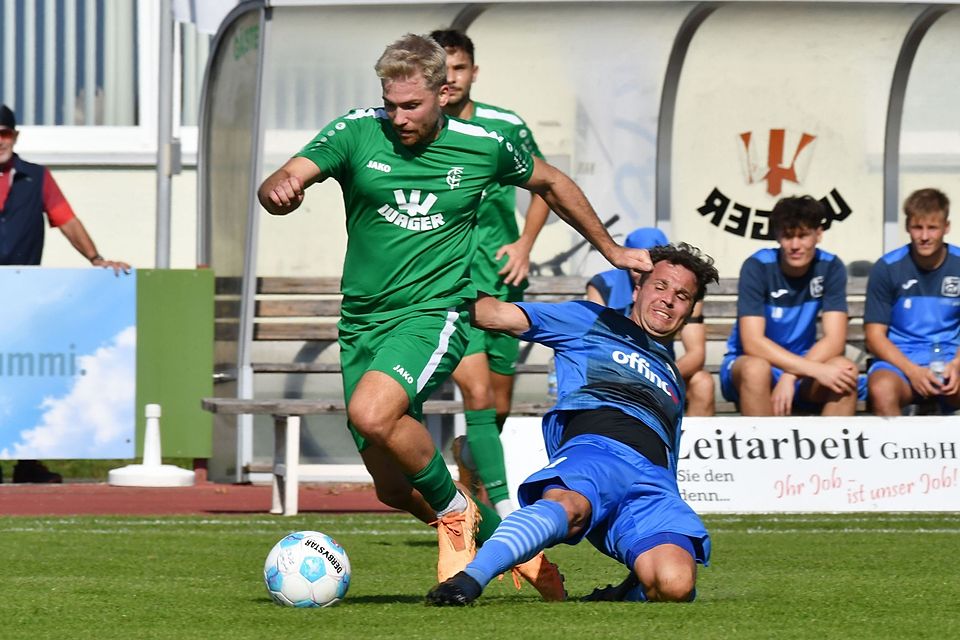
308 308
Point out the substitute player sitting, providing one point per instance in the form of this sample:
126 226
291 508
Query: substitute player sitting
913 307
612 438
775 364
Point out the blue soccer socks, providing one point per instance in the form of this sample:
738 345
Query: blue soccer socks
520 536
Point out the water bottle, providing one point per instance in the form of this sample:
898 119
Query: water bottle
937 363
552 378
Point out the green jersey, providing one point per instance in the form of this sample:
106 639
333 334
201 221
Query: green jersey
498 219
411 212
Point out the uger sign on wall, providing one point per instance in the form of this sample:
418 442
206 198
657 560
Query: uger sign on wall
67 363
736 464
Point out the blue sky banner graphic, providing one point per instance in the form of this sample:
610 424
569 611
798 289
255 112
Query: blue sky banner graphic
67 363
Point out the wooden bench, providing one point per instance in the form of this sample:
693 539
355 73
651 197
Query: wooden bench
306 310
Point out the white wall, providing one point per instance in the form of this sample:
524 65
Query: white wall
118 207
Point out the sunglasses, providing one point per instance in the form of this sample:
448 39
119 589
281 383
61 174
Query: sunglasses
7 134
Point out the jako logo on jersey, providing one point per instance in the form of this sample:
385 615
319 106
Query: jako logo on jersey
769 158
816 287
453 177
637 363
950 287
403 373
379 166
415 216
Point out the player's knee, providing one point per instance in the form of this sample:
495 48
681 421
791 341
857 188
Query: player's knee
476 396
700 386
753 371
884 387
370 420
674 583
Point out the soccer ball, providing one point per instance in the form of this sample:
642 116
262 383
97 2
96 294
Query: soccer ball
307 569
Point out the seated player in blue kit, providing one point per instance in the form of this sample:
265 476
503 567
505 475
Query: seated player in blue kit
612 438
775 364
913 310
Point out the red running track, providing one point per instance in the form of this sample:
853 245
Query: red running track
102 499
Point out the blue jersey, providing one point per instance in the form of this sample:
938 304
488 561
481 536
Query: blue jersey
919 307
790 306
605 360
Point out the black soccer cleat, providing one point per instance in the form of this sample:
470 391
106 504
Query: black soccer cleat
458 591
611 592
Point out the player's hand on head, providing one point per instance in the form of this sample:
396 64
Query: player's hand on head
515 270
636 260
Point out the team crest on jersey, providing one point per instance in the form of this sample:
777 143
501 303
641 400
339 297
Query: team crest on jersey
453 177
816 287
411 212
950 287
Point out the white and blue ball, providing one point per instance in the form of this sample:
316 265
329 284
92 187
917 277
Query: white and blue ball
307 569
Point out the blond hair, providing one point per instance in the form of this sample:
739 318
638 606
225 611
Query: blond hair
410 55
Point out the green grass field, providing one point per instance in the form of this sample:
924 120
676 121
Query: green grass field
797 576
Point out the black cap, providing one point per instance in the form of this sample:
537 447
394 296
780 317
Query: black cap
7 118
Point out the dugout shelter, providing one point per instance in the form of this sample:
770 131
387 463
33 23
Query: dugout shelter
691 116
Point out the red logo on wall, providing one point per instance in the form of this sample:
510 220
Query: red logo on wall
786 156
776 169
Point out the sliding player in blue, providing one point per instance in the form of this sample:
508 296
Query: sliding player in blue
612 439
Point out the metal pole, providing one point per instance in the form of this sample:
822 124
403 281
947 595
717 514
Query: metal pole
168 149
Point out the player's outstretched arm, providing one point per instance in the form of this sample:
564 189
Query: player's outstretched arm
569 202
282 191
495 315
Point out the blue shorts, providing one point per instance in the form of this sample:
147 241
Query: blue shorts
632 499
729 390
883 365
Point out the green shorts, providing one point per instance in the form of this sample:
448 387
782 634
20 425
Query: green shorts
501 349
419 350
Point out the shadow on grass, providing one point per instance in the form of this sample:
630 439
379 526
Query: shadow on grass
385 598
428 542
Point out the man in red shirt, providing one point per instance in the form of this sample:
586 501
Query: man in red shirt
27 192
